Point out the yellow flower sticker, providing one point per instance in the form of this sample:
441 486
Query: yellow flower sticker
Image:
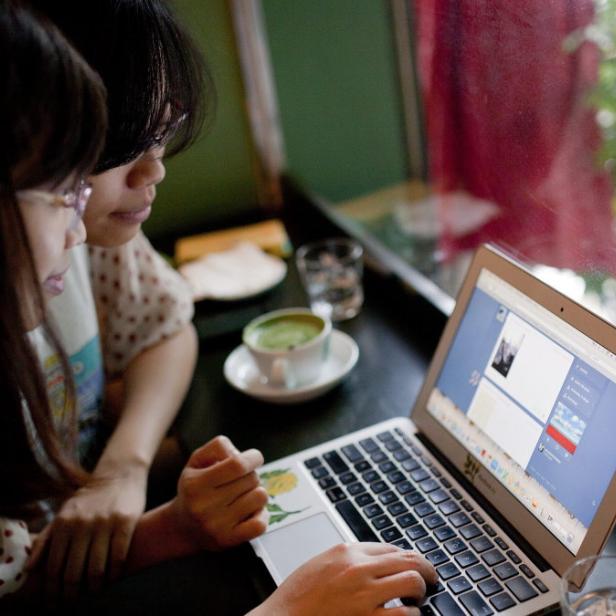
277 482
280 484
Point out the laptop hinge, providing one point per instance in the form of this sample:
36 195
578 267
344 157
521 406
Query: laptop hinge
530 552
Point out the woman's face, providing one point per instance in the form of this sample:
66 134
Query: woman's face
122 199
53 229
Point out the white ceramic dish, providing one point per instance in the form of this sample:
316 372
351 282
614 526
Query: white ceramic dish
241 372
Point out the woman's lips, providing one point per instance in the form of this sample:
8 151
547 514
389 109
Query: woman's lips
54 285
133 217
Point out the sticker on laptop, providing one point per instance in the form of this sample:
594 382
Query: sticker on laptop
291 497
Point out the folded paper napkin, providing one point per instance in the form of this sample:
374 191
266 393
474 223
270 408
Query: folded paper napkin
239 272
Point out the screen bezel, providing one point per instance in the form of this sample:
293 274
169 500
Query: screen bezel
546 544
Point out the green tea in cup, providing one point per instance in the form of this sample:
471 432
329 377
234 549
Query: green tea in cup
286 332
289 346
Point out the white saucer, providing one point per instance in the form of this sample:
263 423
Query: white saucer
241 372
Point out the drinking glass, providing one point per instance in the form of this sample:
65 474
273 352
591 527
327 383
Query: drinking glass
331 272
588 587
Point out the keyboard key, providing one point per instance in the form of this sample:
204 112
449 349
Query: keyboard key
458 585
466 559
436 472
521 589
489 587
489 530
347 477
454 546
505 571
372 511
387 497
470 532
429 485
336 494
456 494
434 521
312 462
319 471
356 523
501 544
351 453
445 483
492 557
437 557
404 487
419 474
434 589
476 606
397 508
364 499
423 509
426 460
448 571
406 520
335 462
391 534
401 454
459 519
416 532
378 486
327 482
363 466
426 544
368 445
378 456
481 544
410 465
385 436
438 496
477 573
426 610
466 505
392 445
527 571
446 606
413 498
502 602
403 544
416 450
355 488
477 517
449 507
387 467
540 585
444 533
370 476
381 522
395 477
515 559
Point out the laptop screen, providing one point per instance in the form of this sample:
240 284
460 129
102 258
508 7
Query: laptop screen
533 400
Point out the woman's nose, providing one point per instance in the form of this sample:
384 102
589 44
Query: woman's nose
148 170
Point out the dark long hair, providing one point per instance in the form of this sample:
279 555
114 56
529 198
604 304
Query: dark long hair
158 86
52 124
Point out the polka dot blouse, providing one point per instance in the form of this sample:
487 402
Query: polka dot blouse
15 544
140 300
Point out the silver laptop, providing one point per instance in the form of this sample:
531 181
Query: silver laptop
503 475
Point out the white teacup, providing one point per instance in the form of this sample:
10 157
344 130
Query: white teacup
288 346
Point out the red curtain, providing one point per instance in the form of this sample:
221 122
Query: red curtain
508 120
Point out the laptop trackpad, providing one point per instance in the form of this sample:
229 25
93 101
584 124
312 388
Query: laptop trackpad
293 545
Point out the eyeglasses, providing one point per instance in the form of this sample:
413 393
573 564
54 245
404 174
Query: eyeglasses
75 198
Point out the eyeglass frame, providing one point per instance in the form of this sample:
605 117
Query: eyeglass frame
75 198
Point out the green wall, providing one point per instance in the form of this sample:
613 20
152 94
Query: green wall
215 177
336 76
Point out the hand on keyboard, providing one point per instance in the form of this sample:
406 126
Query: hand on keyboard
352 580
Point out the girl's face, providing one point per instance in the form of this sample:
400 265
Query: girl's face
53 227
122 199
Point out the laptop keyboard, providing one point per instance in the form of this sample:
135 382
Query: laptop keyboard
387 489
